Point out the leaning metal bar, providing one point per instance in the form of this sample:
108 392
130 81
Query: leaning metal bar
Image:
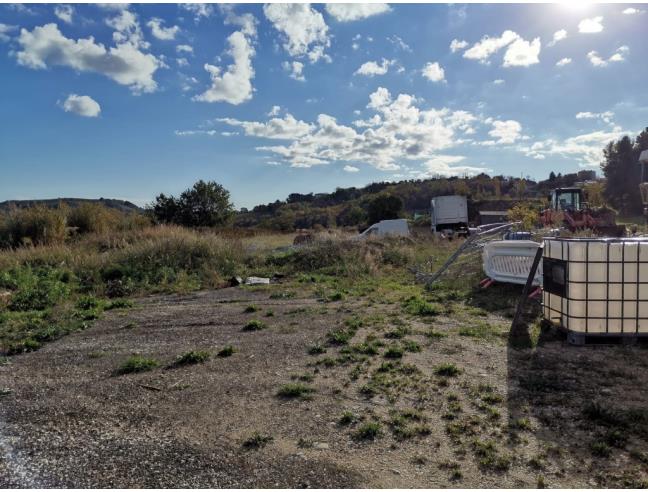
431 278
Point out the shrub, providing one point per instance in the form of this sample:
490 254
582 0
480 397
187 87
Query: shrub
368 431
257 441
394 352
192 357
347 418
254 325
316 349
251 309
295 390
93 217
420 307
447 369
226 351
37 225
137 363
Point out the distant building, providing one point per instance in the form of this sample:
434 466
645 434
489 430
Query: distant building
492 216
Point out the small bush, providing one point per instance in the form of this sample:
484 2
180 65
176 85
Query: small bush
295 390
254 325
340 336
119 304
600 449
447 369
316 349
411 346
226 351
368 431
137 363
251 309
394 352
420 307
192 357
347 418
257 441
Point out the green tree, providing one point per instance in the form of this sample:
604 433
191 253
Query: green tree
206 204
622 173
384 207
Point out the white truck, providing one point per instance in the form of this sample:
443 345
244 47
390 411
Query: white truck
449 215
394 227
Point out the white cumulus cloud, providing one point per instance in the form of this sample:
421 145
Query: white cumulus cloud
558 36
199 10
398 131
64 12
125 63
446 166
303 28
593 25
5 29
456 45
351 169
632 11
285 128
161 32
234 85
521 53
81 105
563 61
507 132
433 72
484 49
598 61
295 70
372 68
184 48
347 12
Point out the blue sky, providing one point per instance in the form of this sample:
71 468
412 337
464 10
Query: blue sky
128 101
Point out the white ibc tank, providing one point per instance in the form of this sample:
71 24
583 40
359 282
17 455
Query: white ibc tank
597 286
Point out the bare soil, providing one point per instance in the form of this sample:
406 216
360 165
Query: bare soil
68 421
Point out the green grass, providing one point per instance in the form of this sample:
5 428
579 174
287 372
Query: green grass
368 431
394 352
192 357
137 363
420 307
251 309
295 390
257 441
447 369
254 325
226 351
347 418
316 349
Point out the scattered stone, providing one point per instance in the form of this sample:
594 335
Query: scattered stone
321 445
257 281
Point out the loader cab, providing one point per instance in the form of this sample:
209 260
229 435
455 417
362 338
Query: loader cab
566 199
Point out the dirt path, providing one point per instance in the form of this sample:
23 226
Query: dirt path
71 423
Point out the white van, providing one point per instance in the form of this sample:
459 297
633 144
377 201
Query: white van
394 227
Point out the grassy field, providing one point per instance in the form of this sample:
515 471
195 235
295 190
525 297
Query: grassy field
344 372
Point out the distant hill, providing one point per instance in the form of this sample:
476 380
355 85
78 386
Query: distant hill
121 205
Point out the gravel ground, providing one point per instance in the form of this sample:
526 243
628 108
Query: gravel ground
68 421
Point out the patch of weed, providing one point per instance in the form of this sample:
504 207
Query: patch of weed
368 431
417 306
295 390
257 441
448 369
226 351
254 325
192 357
137 363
